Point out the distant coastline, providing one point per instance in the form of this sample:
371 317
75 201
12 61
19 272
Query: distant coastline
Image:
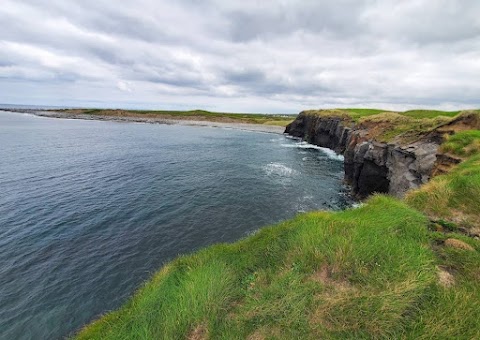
257 123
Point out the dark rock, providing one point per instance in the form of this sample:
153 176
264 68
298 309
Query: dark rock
370 166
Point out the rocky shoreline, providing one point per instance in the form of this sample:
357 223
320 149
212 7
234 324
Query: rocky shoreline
372 166
153 120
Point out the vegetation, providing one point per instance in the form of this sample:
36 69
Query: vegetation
249 118
456 195
420 114
371 272
463 143
389 126
388 269
357 114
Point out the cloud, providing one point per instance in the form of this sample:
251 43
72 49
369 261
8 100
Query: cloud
277 56
124 86
425 21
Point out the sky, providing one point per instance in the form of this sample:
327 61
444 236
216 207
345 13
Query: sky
241 56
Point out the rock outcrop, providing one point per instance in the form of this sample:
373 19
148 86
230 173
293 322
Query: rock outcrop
370 166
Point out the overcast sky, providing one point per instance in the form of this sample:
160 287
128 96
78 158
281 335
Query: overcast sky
242 56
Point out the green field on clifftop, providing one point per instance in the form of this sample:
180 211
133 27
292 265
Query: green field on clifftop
357 113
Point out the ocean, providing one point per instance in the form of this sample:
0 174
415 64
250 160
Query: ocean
91 209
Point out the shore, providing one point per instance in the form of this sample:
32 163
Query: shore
150 119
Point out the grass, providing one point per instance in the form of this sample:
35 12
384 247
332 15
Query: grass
352 113
389 126
369 272
463 144
419 114
454 196
359 113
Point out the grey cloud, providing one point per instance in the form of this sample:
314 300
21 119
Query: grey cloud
245 76
425 22
339 18
265 84
245 55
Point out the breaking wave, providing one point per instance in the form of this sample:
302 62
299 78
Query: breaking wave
279 170
304 145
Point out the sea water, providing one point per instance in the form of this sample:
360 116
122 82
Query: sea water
89 210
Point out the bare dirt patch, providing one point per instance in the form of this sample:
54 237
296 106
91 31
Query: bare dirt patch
324 276
454 243
445 277
198 333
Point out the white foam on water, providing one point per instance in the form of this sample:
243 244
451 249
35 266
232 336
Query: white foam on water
279 169
304 145
292 137
357 205
251 233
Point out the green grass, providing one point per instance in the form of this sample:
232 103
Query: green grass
463 143
351 114
364 273
359 113
389 126
356 114
419 114
454 196
406 129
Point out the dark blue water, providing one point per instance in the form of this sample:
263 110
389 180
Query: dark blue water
89 210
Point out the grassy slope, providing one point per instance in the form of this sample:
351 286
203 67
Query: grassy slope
380 271
362 273
456 195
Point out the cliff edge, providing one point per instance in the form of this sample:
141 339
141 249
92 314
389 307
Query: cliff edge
384 152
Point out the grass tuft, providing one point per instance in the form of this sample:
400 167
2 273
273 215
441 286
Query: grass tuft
464 143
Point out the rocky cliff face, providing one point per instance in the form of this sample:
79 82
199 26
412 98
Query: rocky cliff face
370 166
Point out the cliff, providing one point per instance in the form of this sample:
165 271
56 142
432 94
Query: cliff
384 153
